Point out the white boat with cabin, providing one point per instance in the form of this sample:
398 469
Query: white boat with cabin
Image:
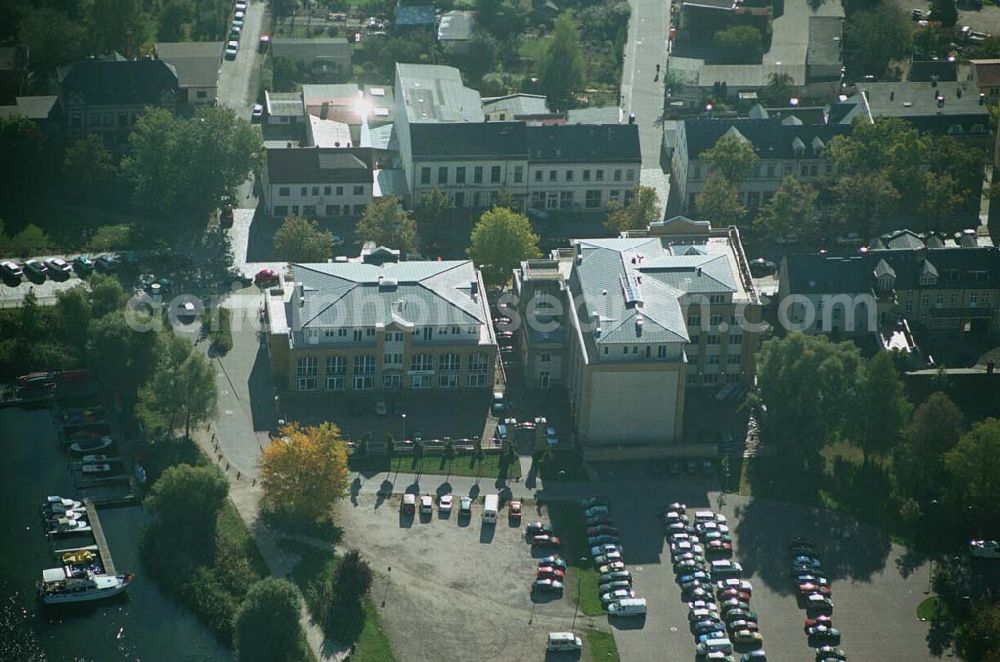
57 586
66 526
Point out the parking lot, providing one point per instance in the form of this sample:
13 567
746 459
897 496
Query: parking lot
12 292
874 603
457 590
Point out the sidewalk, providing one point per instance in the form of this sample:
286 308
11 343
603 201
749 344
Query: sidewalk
245 495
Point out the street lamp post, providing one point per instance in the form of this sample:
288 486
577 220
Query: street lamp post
403 416
576 611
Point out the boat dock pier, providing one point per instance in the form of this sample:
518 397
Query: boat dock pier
102 544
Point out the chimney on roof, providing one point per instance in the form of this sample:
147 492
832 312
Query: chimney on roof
958 93
475 290
129 44
892 95
300 293
982 98
697 271
940 102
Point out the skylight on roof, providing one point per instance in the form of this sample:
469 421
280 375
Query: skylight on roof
377 91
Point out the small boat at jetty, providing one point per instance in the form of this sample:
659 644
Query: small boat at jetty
57 586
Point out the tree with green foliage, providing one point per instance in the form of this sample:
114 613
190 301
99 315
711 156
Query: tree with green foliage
779 89
24 149
186 501
740 44
182 388
72 313
88 169
934 429
719 202
352 579
791 210
944 12
109 21
874 38
432 209
122 356
979 637
807 385
562 66
881 408
31 240
285 73
642 208
862 201
731 156
53 37
386 223
505 20
972 467
267 626
166 181
501 240
300 240
106 294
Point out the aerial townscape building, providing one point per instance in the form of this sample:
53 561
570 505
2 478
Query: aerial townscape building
629 325
377 323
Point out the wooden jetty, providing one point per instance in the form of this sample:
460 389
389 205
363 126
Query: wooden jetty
102 544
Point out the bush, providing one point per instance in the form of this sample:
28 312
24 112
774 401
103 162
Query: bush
352 579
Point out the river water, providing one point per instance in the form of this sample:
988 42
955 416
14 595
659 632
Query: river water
145 624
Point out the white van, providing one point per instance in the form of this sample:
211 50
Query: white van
564 641
704 516
720 645
628 607
492 505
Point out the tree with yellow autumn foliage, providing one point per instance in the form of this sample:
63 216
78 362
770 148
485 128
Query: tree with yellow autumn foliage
304 471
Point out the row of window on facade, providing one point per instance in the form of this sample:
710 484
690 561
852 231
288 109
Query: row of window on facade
106 120
368 333
286 191
713 378
313 210
593 198
365 371
774 170
496 174
974 299
887 282
661 350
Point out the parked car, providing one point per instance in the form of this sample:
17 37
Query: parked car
740 614
381 408
106 263
607 587
614 575
263 43
57 265
747 637
444 503
547 586
596 510
610 566
426 504
590 502
83 264
610 557
548 572
257 114
232 48
985 549
554 561
824 634
830 653
514 511
618 594
818 620
604 549
36 267
809 588
465 507
546 540
534 528
742 624
602 529
818 604
603 540
754 656
11 270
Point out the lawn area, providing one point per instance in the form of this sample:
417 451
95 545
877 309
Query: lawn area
314 574
465 465
601 646
933 608
570 525
230 527
71 227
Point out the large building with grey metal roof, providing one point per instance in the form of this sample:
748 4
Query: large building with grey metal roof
376 323
642 319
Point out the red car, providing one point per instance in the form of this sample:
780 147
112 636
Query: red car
266 278
602 529
818 620
809 589
514 511
546 540
730 593
549 572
